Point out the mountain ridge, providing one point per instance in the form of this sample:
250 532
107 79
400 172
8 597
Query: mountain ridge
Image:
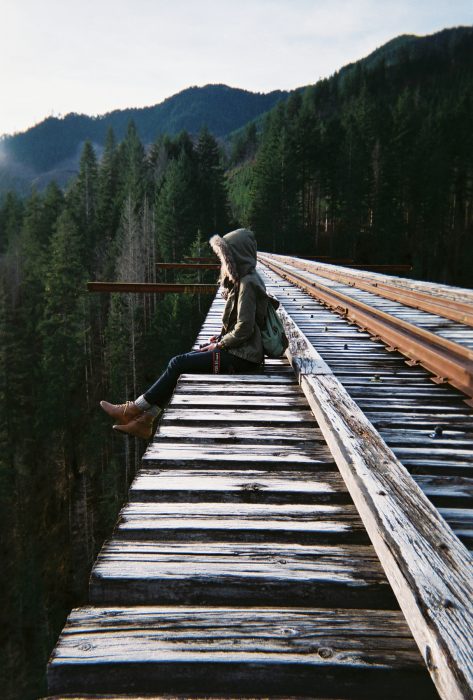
55 143
51 149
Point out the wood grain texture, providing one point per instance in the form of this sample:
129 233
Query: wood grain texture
241 522
239 434
268 651
229 379
239 486
260 573
231 401
238 504
258 456
428 568
239 415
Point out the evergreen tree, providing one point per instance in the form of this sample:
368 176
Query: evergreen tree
52 206
133 168
177 208
267 207
244 144
108 204
11 215
82 201
62 333
213 203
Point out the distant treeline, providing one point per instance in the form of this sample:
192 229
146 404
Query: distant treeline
63 473
222 109
373 164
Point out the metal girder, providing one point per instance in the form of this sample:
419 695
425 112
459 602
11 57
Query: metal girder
455 310
187 266
447 360
151 288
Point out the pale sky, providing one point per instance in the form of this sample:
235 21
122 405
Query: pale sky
92 56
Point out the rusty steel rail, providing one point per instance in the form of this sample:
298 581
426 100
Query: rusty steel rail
394 289
447 360
151 288
187 266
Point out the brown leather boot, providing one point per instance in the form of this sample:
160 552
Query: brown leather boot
121 413
141 427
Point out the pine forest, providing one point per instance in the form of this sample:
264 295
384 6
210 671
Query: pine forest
374 164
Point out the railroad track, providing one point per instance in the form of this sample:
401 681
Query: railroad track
426 327
297 533
449 302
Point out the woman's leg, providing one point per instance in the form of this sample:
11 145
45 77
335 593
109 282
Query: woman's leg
137 417
210 362
192 362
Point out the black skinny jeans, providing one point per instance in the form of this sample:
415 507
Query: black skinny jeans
195 363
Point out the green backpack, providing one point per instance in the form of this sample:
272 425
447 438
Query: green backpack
272 332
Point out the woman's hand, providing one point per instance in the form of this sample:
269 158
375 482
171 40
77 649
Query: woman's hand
213 339
209 347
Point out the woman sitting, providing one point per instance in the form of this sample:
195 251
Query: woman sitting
238 348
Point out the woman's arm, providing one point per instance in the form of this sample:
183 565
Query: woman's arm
246 317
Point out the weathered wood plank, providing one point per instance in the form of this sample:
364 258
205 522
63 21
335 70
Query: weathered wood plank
259 651
230 401
241 434
239 415
256 378
401 419
417 405
441 438
429 569
239 486
258 456
237 389
260 573
446 491
461 522
301 353
241 522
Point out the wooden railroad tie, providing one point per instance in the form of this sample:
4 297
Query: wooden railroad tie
271 532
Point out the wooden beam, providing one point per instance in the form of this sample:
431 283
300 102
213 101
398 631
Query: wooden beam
151 288
234 652
382 269
187 266
446 359
207 259
428 568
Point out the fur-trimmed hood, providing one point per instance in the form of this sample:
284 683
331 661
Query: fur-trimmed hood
237 254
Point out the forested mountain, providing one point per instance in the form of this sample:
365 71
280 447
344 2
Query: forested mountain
51 149
63 472
373 164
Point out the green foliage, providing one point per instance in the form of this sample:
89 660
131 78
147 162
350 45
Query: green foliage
240 186
374 164
212 196
244 144
82 200
63 324
55 142
63 473
176 208
11 214
191 193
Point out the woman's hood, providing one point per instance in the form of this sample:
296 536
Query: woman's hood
237 253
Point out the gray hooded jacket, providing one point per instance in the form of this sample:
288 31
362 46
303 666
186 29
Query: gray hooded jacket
245 293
